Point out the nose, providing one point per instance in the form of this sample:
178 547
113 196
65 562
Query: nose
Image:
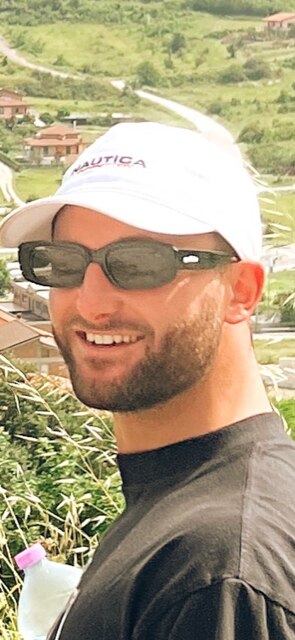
98 298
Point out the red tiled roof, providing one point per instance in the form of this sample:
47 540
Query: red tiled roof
5 317
52 142
10 92
15 334
280 17
5 101
57 130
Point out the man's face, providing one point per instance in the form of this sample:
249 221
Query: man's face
170 334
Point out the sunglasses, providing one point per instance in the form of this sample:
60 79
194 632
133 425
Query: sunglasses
132 263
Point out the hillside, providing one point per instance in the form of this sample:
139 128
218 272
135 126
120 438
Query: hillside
110 12
222 62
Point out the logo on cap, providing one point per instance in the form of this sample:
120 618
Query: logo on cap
102 161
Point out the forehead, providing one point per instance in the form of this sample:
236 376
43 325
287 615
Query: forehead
93 229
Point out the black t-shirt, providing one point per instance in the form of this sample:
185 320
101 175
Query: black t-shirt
205 549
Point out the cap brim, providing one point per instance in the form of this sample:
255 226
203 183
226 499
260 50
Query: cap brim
33 221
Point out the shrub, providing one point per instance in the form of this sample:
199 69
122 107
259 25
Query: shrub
272 158
4 278
251 133
233 73
256 69
147 74
177 43
284 97
60 61
215 108
47 117
59 483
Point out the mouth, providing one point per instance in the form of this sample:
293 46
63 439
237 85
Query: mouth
107 340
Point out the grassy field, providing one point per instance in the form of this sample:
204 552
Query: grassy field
282 281
189 75
270 351
116 51
278 211
37 182
279 282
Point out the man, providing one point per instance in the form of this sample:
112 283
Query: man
152 249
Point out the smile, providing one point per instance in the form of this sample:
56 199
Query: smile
110 340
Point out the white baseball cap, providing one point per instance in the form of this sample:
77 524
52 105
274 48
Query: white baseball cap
157 178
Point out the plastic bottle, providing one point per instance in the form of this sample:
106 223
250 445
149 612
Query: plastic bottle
47 588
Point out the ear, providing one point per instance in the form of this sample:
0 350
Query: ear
245 289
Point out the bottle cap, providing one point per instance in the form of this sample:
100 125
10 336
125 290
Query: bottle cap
30 556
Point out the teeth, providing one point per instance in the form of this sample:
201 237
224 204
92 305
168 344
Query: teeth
107 339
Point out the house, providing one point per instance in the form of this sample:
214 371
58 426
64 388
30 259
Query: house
27 300
280 21
21 341
55 144
12 104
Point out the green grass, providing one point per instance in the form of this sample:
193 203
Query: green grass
279 209
115 50
37 182
281 282
118 49
269 351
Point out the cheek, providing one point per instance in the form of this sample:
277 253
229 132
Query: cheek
61 302
170 305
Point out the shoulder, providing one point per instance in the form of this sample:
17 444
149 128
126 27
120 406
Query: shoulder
239 525
227 610
267 557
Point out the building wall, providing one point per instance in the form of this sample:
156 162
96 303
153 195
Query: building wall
8 112
40 155
281 26
43 358
29 300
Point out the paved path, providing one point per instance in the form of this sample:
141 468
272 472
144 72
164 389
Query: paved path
275 336
12 55
202 122
280 258
6 185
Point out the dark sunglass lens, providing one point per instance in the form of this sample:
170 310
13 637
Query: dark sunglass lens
141 265
57 266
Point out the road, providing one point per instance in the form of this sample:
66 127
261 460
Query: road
275 336
12 55
275 258
6 185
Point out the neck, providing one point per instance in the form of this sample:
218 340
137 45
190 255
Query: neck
231 391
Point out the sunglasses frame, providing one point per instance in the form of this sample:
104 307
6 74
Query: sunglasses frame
201 260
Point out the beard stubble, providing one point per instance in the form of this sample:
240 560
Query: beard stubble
184 357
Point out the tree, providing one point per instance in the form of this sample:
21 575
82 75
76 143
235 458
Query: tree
47 117
147 74
231 49
62 113
4 278
177 43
